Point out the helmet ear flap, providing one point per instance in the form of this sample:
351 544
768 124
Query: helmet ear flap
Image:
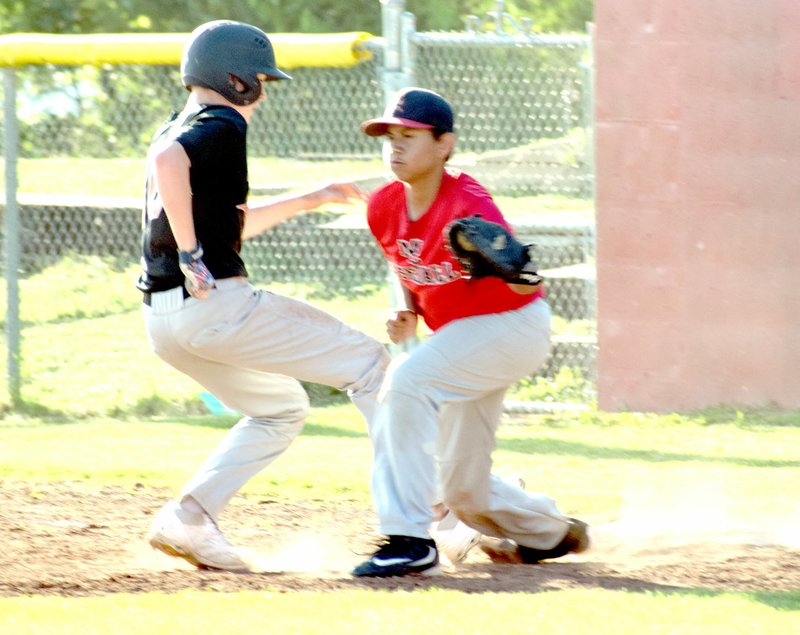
246 92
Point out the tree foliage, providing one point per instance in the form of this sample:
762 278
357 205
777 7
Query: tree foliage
276 16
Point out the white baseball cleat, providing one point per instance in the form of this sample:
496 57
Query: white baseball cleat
195 538
454 538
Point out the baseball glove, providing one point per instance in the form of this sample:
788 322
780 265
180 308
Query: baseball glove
484 248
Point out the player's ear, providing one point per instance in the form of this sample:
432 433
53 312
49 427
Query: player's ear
445 145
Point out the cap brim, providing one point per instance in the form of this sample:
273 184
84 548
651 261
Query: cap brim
379 126
274 74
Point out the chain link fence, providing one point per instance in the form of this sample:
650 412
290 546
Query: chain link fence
83 131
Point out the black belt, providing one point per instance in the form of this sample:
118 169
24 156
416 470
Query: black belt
147 297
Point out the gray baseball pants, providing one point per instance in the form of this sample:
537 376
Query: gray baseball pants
249 348
445 400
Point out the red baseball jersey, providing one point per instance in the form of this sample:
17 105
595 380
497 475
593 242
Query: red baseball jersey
416 250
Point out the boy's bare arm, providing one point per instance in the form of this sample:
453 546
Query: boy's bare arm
174 186
262 217
172 177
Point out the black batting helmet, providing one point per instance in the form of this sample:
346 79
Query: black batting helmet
223 48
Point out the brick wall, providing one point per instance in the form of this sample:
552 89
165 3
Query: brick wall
698 203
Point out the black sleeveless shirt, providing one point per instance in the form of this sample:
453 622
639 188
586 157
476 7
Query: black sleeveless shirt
214 138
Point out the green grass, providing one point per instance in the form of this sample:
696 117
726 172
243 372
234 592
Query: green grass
162 451
402 613
600 465
730 459
85 350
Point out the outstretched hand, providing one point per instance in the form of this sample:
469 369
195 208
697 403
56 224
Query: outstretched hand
341 193
259 218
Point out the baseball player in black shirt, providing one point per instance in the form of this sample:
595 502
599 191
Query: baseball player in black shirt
247 346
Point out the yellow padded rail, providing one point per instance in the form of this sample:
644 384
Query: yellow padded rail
292 50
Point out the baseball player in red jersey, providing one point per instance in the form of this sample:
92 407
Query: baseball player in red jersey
247 346
444 400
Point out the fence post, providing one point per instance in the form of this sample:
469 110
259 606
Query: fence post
588 107
396 58
408 27
399 27
11 248
588 126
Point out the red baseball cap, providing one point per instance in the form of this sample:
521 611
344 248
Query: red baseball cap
413 108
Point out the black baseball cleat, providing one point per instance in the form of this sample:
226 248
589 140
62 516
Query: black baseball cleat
576 541
401 555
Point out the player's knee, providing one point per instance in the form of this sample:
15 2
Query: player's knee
373 377
270 398
287 416
299 411
286 424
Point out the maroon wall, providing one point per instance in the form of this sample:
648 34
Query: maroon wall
698 203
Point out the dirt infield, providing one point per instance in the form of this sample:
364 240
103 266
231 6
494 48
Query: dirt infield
60 540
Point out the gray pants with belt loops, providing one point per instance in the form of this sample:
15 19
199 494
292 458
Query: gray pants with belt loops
249 348
444 401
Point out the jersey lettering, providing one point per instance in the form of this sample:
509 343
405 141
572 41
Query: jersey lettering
427 275
410 249
418 273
